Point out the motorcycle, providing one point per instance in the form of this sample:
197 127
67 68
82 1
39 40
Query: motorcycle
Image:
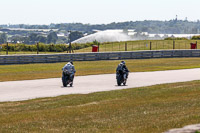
66 78
120 78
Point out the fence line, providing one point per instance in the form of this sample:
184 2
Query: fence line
105 47
53 58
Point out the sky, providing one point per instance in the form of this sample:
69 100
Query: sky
95 11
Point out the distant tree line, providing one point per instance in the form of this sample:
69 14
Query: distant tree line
34 38
52 37
78 29
155 27
3 38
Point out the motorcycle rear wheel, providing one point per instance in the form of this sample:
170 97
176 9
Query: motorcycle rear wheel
64 81
118 81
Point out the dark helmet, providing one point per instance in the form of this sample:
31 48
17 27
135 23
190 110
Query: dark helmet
71 62
123 62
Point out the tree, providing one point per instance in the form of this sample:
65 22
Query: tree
26 40
15 39
74 35
3 38
33 38
42 39
52 37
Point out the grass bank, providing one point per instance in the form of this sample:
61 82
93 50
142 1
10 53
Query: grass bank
142 45
103 47
39 71
141 110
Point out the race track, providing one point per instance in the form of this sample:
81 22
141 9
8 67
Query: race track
30 89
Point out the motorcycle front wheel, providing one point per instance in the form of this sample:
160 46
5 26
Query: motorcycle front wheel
124 83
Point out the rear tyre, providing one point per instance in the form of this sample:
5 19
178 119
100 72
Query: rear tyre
64 81
118 81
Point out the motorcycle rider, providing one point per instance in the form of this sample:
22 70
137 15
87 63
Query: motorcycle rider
70 67
123 68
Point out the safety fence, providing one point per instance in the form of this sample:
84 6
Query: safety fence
14 49
143 45
53 58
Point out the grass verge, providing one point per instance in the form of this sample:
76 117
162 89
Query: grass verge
144 110
142 45
39 71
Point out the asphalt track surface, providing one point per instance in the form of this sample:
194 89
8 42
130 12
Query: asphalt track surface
31 89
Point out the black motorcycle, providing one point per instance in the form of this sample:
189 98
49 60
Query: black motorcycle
120 78
66 78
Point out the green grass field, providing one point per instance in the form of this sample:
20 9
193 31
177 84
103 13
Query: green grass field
152 109
53 70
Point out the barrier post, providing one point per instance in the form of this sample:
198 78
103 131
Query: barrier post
150 45
196 45
37 48
125 46
7 48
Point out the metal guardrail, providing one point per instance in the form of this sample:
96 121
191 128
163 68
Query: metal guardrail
53 58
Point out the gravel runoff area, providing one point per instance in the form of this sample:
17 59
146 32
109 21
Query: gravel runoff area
31 89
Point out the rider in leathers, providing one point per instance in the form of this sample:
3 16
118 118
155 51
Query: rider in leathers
122 66
70 68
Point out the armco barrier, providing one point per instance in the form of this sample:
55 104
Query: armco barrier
52 58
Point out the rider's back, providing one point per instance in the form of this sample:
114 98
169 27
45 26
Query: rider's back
69 67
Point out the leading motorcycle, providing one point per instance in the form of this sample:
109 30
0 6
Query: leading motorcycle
66 80
120 78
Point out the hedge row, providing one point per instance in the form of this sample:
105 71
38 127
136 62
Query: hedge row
195 38
42 47
183 38
175 38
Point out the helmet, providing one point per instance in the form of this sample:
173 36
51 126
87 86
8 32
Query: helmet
71 62
123 62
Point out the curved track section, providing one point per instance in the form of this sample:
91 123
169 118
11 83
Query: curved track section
31 89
